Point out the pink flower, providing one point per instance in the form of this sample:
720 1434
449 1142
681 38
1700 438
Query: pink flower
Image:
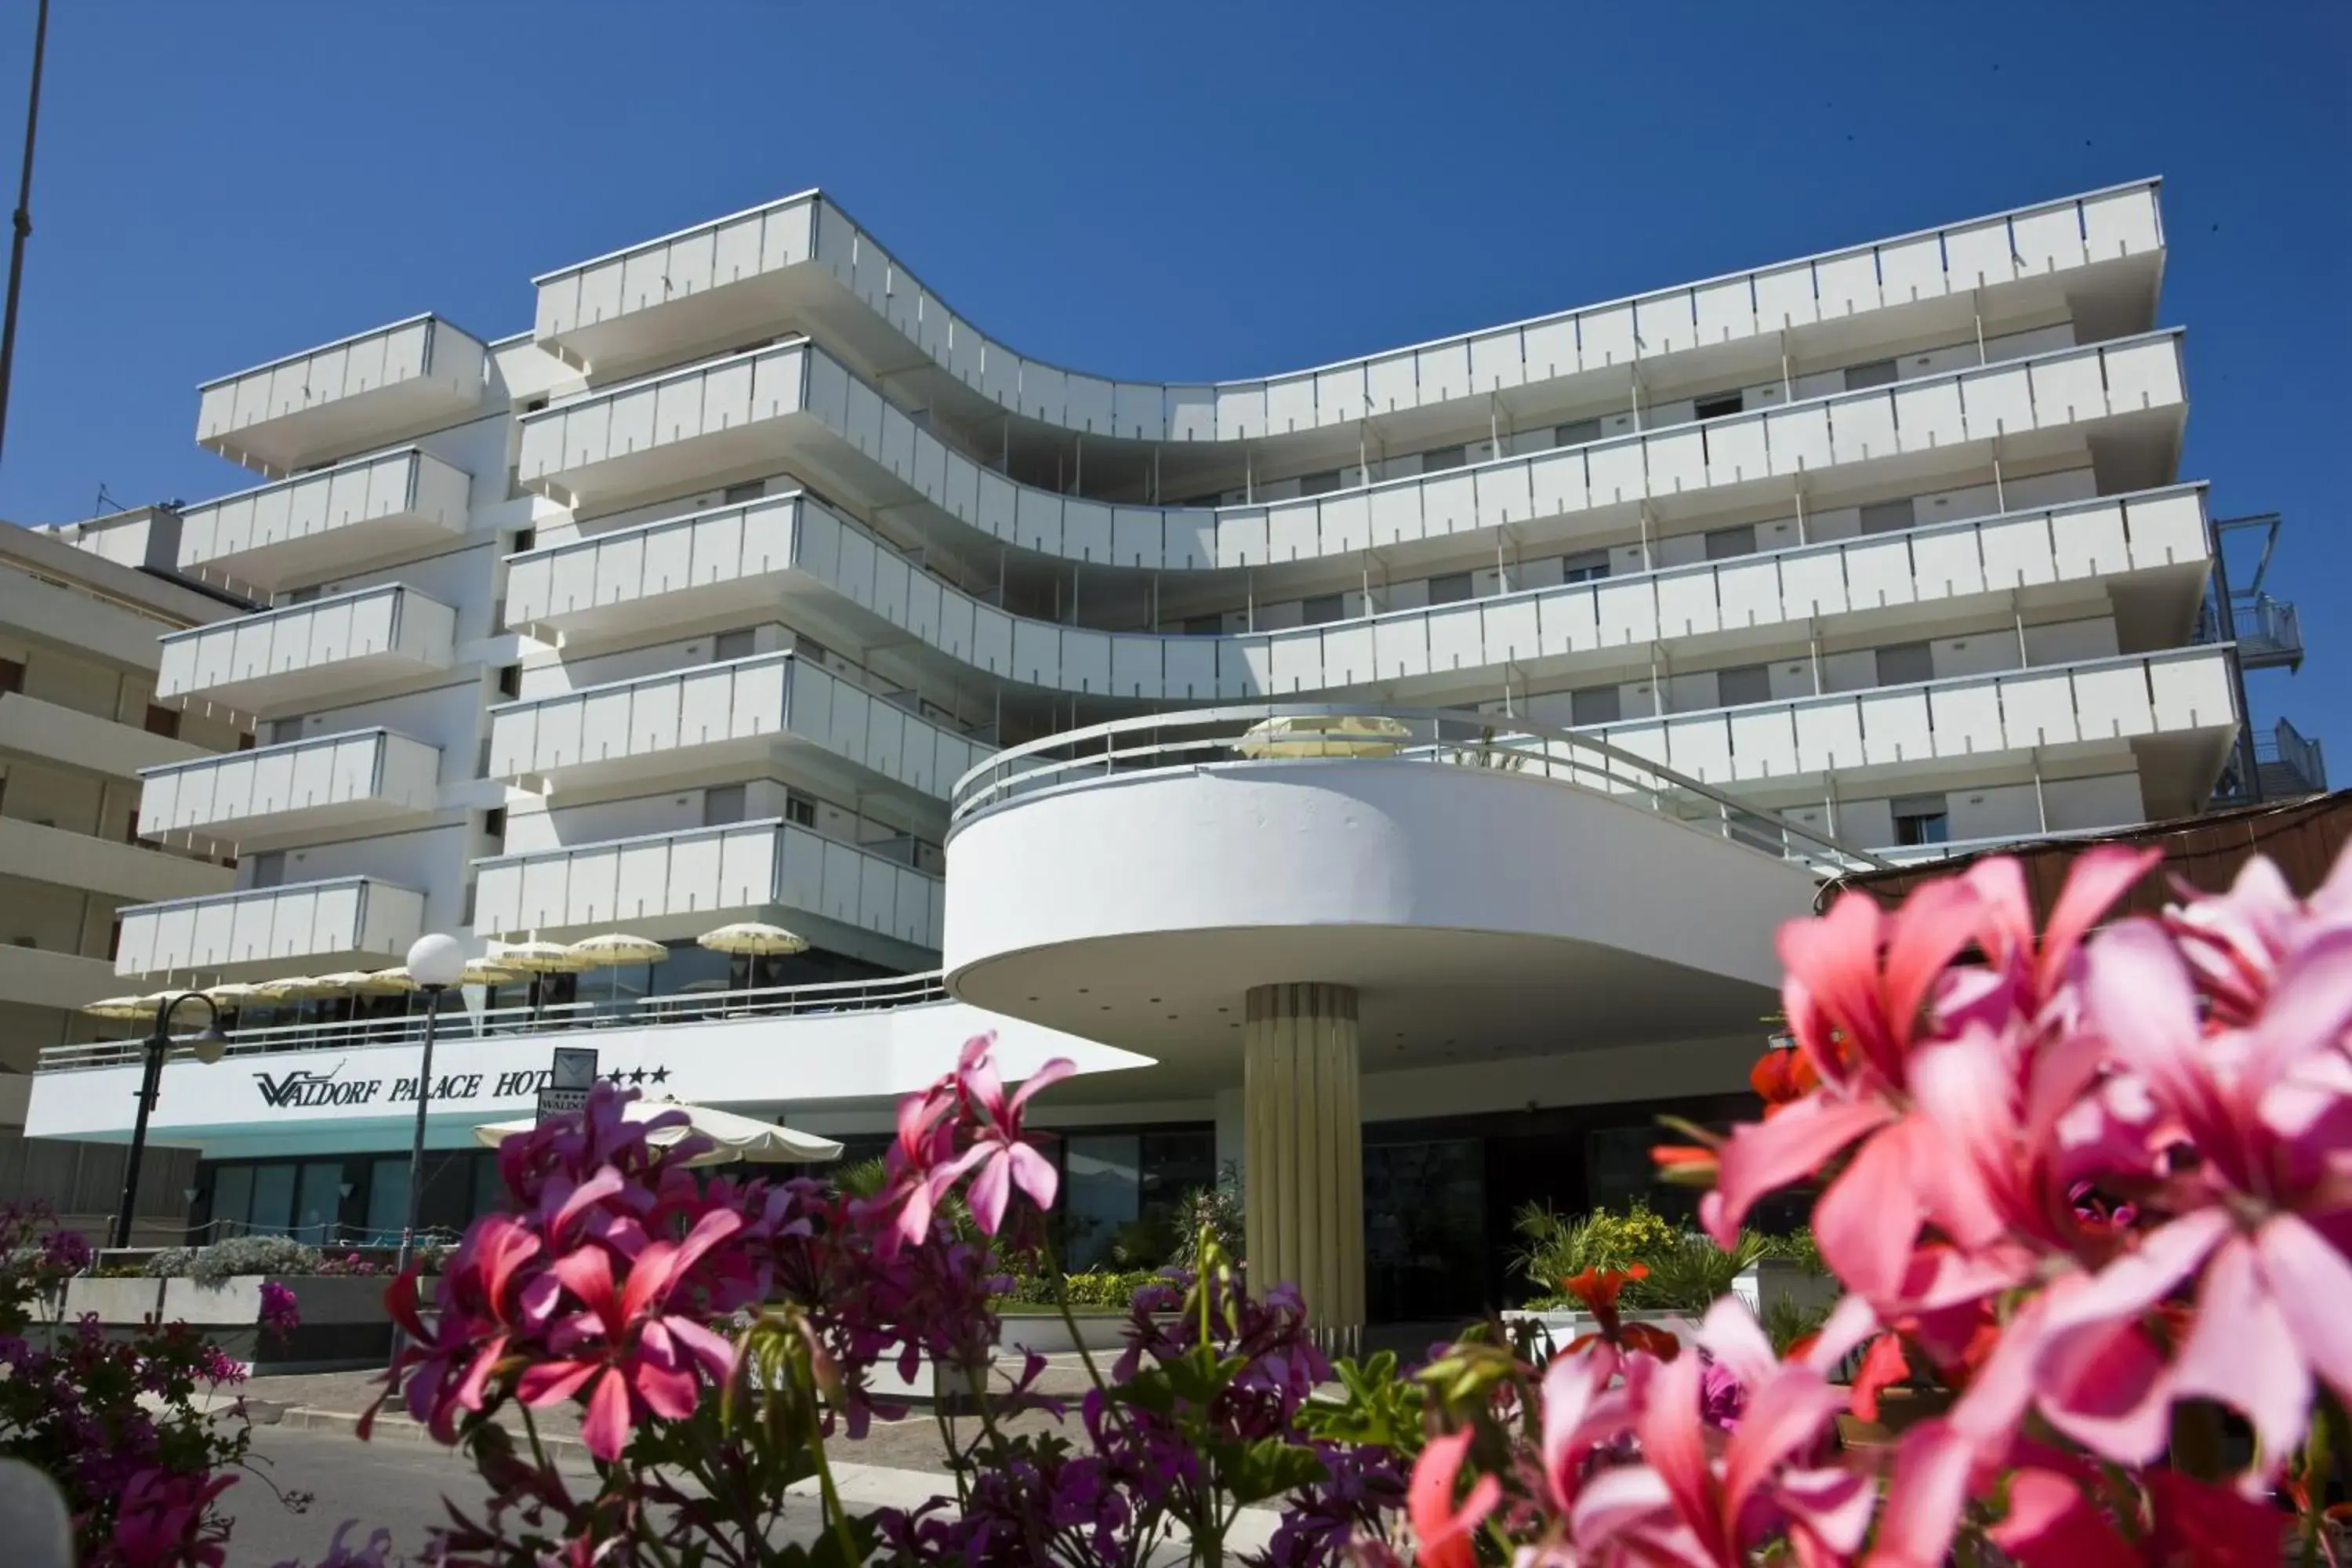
1687 1501
160 1520
280 1314
997 1154
639 1355
2052 1523
1443 1529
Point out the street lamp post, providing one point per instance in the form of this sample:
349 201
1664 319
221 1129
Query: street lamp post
435 963
207 1045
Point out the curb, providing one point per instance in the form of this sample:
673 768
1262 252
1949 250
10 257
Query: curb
392 1428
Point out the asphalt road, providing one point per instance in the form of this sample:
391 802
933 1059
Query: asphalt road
397 1484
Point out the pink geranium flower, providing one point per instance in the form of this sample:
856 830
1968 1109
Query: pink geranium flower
998 1159
639 1354
1443 1529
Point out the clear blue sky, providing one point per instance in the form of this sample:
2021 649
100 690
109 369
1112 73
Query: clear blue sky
1203 190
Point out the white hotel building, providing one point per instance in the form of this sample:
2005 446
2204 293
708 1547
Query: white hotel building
752 582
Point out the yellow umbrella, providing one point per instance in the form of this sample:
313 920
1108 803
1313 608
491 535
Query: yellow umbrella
357 980
539 958
293 988
122 1007
753 937
1337 736
617 948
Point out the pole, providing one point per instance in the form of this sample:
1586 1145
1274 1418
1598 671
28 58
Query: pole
23 223
416 1143
151 1085
159 1041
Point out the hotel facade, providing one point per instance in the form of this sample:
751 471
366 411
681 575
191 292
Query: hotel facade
1384 779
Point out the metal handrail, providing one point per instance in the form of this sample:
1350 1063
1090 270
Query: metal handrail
683 1007
1503 742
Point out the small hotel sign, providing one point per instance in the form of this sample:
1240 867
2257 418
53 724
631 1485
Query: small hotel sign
311 1089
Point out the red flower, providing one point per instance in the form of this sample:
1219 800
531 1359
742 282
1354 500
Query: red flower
1443 1529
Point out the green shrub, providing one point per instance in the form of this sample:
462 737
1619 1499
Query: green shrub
1554 1250
1088 1288
1689 1272
170 1263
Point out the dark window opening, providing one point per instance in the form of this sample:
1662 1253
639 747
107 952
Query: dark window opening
1877 373
1922 819
510 681
1450 589
1719 405
1321 608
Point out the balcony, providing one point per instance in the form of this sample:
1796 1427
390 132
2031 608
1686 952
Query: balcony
70 738
2268 630
738 560
326 647
243 798
86 863
34 977
680 884
343 920
2175 709
771 705
2289 763
801 262
330 403
317 525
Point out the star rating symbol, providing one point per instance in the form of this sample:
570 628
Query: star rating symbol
613 1078
638 1076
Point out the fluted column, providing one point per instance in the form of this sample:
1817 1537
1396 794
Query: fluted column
1303 1139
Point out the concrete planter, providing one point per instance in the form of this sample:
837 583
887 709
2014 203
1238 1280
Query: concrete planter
1775 1279
122 1302
1046 1334
1562 1325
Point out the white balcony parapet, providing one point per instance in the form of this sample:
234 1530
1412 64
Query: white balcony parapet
767 404
70 738
339 918
771 264
85 863
2040 708
330 645
678 883
735 558
326 403
320 781
316 523
692 718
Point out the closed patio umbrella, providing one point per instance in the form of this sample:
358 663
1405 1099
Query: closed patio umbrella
122 1006
1335 735
733 1137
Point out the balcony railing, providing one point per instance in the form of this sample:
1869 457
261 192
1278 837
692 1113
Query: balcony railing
322 781
315 649
341 917
1323 732
694 717
823 999
313 525
2269 633
2291 762
701 876
734 559
329 403
725 280
768 405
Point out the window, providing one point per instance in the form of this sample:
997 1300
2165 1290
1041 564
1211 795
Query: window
1906 663
800 810
533 404
12 675
1886 516
738 644
1590 566
1877 373
1438 457
1450 589
1596 705
246 740
1746 683
723 804
1577 433
165 721
1922 819
1724 543
494 827
269 868
1203 626
284 729
749 489
1322 607
510 681
300 596
1320 484
524 537
1719 405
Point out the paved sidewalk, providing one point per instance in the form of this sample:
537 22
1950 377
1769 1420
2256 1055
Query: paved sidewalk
897 1464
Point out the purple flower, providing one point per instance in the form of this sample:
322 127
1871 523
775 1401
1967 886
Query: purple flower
280 1313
